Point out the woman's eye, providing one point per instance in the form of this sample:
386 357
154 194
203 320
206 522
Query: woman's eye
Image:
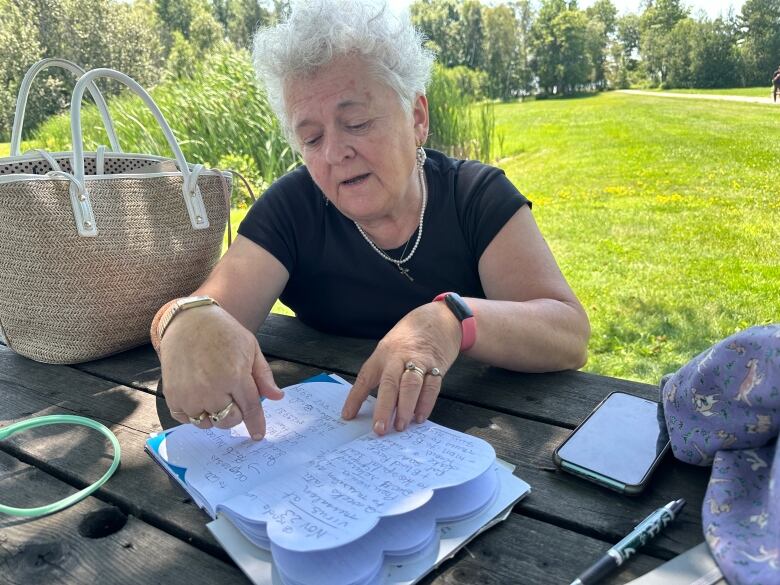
361 126
311 141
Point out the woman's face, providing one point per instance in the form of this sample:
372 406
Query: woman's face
356 140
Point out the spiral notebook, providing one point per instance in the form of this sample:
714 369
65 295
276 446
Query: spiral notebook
322 500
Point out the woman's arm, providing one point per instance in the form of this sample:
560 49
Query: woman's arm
246 282
209 355
531 320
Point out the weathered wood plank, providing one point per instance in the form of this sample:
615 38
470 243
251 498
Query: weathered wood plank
80 456
91 542
138 368
144 490
526 551
571 502
95 542
563 398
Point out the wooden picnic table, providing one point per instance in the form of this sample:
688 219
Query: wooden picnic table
140 527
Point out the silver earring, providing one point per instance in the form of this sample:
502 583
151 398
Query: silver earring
421 156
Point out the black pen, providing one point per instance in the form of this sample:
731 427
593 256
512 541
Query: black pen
647 529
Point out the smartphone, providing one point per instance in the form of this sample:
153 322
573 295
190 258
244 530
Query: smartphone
618 445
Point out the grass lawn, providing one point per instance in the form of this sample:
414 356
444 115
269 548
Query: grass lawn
746 91
662 214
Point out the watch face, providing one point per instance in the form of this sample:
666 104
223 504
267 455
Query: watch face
458 306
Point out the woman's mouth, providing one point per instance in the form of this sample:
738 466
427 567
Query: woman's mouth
356 180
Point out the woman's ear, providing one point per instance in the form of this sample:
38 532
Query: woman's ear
421 119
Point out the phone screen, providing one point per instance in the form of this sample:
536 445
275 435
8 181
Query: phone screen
621 439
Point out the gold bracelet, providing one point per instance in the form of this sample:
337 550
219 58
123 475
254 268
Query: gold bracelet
168 311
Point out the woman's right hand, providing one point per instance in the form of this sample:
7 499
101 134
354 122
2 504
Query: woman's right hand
209 360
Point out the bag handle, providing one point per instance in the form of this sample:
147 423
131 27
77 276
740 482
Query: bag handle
24 93
82 207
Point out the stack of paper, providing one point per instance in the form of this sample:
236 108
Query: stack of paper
330 500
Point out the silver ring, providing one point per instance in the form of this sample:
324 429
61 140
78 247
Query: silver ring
435 372
196 420
216 417
411 367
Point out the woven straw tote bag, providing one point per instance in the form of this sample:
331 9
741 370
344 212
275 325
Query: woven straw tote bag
92 244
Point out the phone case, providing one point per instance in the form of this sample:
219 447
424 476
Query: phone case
603 480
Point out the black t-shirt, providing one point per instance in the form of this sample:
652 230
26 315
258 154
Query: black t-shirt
339 284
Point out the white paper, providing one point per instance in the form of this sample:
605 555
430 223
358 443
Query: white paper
257 563
221 464
341 495
693 567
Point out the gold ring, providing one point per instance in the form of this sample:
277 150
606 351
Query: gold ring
196 420
411 367
435 372
218 416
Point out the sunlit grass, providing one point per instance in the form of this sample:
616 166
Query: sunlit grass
662 214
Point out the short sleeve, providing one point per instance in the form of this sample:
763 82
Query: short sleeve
278 216
487 199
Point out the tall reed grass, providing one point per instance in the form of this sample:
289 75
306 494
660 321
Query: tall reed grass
219 115
460 125
222 119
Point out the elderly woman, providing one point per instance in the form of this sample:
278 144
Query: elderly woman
366 237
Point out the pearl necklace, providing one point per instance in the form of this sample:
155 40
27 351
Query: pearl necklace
399 263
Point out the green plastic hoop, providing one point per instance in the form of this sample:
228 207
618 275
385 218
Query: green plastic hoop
67 419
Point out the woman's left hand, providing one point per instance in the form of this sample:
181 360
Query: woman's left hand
407 366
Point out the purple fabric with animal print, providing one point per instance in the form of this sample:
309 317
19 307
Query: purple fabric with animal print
723 409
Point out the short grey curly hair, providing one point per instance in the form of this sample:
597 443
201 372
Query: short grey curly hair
317 31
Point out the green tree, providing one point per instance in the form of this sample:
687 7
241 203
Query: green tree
572 31
679 53
759 24
178 15
21 47
92 33
622 65
715 59
472 34
602 23
656 25
241 18
524 17
500 51
560 34
440 21
604 12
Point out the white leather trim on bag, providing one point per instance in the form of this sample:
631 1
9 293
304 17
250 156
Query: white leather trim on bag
24 93
20 177
193 200
100 157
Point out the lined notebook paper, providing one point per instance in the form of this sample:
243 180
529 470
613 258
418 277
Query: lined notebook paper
328 501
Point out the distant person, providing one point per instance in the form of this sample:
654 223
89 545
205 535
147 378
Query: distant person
341 239
776 83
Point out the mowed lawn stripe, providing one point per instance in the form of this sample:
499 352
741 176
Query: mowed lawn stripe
662 214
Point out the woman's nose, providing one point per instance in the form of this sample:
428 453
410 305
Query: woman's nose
337 149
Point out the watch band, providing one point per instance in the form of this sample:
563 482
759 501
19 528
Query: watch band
170 310
464 314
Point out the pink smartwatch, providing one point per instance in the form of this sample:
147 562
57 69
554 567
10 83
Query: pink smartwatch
468 324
